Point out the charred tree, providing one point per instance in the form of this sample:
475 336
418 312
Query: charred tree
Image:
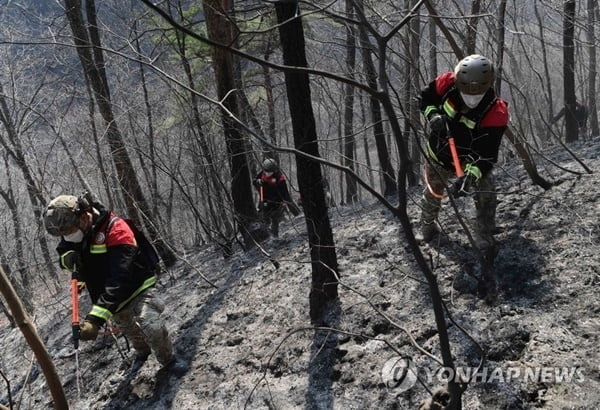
310 180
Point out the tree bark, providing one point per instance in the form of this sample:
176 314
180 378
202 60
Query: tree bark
219 29
412 90
471 38
349 140
269 96
592 7
320 236
34 341
569 70
548 79
433 66
500 46
389 181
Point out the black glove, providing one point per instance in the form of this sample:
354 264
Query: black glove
462 186
88 330
257 182
70 260
437 124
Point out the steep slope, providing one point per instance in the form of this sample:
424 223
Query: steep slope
249 344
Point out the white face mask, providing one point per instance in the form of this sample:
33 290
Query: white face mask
269 173
75 237
471 100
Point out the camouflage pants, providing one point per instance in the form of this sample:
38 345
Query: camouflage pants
436 178
141 323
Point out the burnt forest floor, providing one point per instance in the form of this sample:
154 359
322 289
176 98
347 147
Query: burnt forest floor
248 342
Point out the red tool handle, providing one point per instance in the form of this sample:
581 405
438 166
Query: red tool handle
457 167
261 193
75 311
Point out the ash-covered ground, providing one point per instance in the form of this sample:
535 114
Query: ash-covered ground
249 343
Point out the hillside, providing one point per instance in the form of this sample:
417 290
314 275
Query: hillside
249 344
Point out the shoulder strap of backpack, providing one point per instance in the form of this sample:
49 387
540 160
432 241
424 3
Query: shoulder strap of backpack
147 250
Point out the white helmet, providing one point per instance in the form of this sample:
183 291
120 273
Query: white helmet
269 165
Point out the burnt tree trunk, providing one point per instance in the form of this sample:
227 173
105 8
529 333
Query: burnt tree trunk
569 70
219 29
34 341
310 179
389 182
349 140
592 7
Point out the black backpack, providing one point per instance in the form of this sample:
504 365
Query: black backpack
148 253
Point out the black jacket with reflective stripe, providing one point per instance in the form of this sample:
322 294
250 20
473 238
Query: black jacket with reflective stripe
112 267
477 132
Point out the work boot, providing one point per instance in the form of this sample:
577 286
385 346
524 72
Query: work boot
487 289
427 233
175 367
484 243
134 364
139 359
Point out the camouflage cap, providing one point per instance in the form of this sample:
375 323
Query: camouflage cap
61 215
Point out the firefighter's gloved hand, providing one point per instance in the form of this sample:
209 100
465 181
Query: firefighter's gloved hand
70 260
437 124
258 182
463 186
88 331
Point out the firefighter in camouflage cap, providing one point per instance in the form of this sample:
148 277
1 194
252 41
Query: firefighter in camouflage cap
102 250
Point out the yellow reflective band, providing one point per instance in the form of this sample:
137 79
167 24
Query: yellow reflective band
96 249
147 283
449 109
101 312
63 263
430 109
470 124
473 170
432 154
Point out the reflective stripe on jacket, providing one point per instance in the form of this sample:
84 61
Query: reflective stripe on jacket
111 266
477 132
